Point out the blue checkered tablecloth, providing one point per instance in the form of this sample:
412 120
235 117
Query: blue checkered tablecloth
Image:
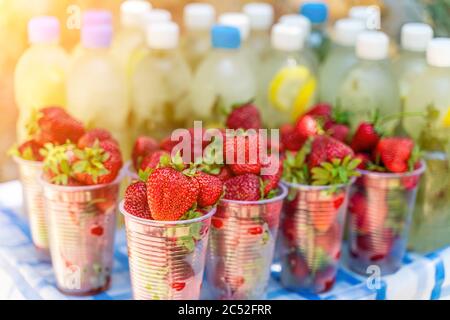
23 276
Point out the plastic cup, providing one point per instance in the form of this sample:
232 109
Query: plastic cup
381 209
30 173
167 258
241 247
312 227
82 223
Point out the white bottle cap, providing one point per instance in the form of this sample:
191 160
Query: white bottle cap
438 52
287 37
346 31
370 15
260 15
164 35
199 16
372 45
237 20
416 36
297 20
155 16
133 11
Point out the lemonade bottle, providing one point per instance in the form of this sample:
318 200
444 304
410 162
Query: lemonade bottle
430 93
261 19
305 25
196 43
370 85
317 13
340 58
160 84
288 84
40 75
369 15
223 79
131 34
96 90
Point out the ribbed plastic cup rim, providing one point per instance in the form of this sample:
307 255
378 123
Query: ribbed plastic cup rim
391 175
33 163
307 187
160 223
281 196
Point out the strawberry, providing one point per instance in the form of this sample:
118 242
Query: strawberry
170 194
365 160
243 153
321 110
198 143
325 279
271 181
217 222
136 200
152 160
307 126
244 117
210 191
324 213
338 131
330 241
245 187
255 230
376 246
290 139
97 230
297 265
30 150
366 138
225 173
325 149
395 153
89 138
143 147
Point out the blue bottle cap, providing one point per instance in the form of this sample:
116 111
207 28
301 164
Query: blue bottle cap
225 37
316 12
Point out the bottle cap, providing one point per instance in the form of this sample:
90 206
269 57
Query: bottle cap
369 15
164 35
416 36
346 31
372 45
225 37
287 37
260 15
133 11
237 20
297 20
316 12
438 52
199 16
156 16
96 36
43 29
97 17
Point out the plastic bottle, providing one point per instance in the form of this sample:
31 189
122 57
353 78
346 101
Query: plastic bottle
430 94
223 79
261 17
370 85
96 87
340 59
40 74
288 84
196 43
317 13
160 84
369 15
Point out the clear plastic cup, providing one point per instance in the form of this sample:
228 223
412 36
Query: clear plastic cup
30 173
167 258
241 247
311 234
380 210
82 223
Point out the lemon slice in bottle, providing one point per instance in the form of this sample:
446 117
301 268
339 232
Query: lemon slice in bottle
447 119
292 89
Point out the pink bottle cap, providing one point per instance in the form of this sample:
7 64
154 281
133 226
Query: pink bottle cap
97 17
43 29
96 36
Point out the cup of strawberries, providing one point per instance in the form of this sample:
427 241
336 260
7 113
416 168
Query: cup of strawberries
383 199
319 169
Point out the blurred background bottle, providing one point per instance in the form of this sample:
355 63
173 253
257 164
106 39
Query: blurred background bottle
317 13
261 16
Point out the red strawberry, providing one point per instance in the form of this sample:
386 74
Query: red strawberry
290 140
178 286
395 153
358 208
225 174
307 126
255 230
198 144
245 187
325 149
339 131
217 222
297 265
365 138
136 202
321 110
29 150
55 125
376 245
244 117
271 181
152 160
89 138
244 151
143 147
113 164
170 194
97 230
325 279
324 212
330 241
210 191
365 159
